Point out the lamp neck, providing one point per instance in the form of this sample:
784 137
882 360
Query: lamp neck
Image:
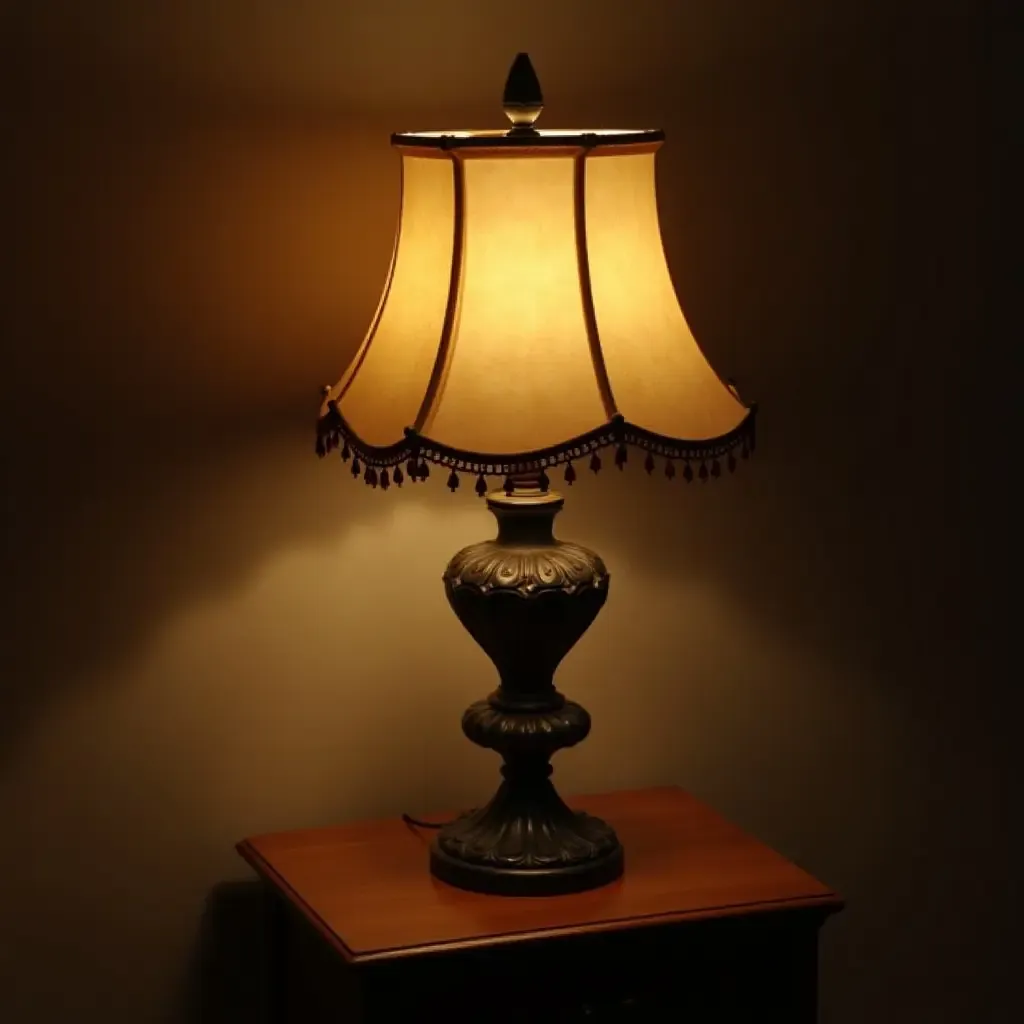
525 514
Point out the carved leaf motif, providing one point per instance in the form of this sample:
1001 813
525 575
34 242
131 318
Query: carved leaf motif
527 570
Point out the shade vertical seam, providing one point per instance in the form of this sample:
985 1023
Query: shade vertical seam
439 374
586 288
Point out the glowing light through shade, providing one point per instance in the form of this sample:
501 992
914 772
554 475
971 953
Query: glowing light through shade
398 354
512 359
519 349
659 375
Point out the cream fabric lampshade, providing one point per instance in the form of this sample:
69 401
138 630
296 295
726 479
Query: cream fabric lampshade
529 315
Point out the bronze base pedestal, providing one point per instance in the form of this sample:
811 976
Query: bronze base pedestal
526 598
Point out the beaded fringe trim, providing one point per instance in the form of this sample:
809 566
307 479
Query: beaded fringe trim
410 458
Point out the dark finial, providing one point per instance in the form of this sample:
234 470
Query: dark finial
523 100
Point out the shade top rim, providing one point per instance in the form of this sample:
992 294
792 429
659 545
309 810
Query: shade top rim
458 138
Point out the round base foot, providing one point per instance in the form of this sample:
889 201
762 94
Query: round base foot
538 881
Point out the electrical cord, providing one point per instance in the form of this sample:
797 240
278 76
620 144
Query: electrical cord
418 823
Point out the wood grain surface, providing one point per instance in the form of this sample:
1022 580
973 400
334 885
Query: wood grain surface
366 886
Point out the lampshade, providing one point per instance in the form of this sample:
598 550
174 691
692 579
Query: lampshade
529 317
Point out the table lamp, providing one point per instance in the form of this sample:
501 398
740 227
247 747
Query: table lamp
528 325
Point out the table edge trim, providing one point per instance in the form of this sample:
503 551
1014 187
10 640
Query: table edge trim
262 867
829 903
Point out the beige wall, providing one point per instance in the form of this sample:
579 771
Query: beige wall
208 633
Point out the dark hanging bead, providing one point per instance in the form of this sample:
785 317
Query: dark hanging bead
731 463
356 468
423 470
570 475
649 464
370 476
544 481
670 469
621 455
716 469
703 474
321 446
688 473
595 463
398 476
453 481
385 482
481 486
346 454
410 468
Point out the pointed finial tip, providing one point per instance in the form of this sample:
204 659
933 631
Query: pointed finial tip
522 100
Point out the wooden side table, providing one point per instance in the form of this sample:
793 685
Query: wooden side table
707 925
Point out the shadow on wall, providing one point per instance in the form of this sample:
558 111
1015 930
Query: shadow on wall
230 976
180 274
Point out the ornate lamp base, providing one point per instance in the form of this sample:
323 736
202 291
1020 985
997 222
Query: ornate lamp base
527 842
526 598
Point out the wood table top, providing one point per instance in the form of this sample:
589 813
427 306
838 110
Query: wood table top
366 886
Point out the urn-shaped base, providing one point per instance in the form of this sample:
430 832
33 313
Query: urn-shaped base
526 598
